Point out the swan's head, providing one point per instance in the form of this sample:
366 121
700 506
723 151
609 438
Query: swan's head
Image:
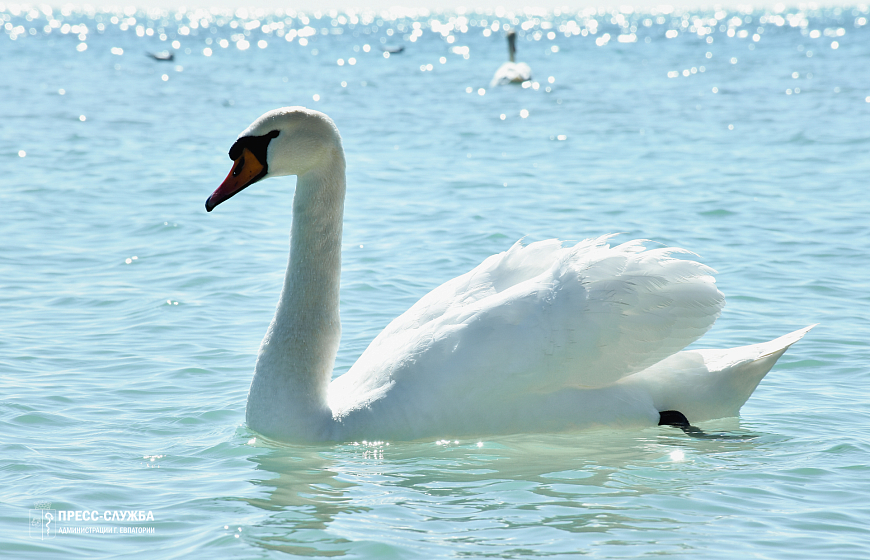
287 141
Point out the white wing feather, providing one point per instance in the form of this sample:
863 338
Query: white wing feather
533 319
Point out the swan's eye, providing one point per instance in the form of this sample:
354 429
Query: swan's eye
240 164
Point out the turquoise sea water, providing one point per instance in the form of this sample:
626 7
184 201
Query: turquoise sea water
130 318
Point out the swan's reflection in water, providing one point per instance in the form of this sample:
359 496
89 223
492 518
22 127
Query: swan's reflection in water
372 498
302 500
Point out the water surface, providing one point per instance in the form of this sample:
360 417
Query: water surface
131 318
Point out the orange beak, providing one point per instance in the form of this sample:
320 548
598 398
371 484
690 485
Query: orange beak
246 171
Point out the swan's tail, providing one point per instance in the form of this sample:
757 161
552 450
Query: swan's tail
707 384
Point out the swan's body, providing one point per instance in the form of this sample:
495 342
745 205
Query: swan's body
538 338
511 72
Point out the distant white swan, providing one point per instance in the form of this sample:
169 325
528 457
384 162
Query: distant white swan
538 338
511 72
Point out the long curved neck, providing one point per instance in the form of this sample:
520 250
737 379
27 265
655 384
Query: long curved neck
294 366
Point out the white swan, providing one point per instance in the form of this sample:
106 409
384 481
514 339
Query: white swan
537 338
511 72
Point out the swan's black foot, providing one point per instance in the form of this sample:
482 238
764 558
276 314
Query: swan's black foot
673 418
678 420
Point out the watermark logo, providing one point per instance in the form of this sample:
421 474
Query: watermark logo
43 521
46 523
